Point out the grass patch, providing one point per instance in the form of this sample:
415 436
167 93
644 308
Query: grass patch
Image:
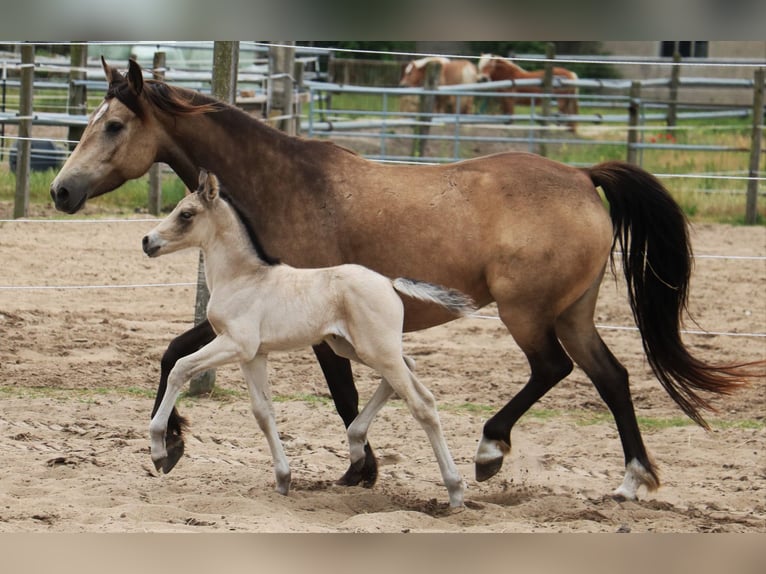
131 196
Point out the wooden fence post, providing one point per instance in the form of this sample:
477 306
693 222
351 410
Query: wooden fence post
426 107
751 212
155 175
281 64
547 87
675 80
78 93
634 117
224 87
24 145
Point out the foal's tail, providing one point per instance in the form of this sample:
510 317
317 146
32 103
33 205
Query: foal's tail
657 260
452 299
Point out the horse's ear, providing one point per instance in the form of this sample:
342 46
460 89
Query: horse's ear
112 74
208 186
135 77
202 181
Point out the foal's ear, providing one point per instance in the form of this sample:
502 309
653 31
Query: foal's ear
135 77
208 186
202 181
112 74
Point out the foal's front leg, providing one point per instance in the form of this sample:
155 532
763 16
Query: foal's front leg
219 351
260 399
183 345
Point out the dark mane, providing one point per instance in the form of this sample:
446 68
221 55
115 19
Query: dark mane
254 241
166 97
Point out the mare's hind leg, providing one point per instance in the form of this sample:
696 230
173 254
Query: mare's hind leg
340 381
549 364
183 345
580 338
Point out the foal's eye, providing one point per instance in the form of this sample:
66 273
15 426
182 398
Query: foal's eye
186 215
113 127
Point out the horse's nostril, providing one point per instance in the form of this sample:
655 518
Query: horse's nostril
61 194
145 241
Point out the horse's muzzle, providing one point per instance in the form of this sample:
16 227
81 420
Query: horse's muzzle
150 248
66 201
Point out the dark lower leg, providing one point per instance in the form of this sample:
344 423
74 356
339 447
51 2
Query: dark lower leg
340 381
185 344
548 366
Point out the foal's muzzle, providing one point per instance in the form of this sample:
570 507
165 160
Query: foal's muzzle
150 248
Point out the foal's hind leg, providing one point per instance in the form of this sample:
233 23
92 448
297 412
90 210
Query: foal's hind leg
340 381
183 345
579 336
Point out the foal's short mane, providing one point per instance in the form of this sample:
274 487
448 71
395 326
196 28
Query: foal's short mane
254 241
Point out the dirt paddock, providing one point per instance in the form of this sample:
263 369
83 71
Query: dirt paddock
79 370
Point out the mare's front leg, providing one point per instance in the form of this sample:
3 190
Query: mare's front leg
340 381
183 345
220 351
260 399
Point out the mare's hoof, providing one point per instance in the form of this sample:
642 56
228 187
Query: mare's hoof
486 470
175 448
366 474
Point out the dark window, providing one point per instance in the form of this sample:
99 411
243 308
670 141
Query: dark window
687 49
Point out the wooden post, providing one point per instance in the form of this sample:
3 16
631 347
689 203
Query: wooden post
224 87
751 212
155 175
78 93
550 54
24 147
281 64
634 117
426 106
675 79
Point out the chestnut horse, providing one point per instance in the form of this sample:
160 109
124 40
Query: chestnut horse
452 72
495 68
526 232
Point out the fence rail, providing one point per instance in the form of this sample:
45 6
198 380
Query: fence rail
388 132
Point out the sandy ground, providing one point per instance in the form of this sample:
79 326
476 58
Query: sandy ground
78 371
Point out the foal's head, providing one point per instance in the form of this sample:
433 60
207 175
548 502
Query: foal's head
191 223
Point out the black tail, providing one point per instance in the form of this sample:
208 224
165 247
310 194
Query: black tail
657 261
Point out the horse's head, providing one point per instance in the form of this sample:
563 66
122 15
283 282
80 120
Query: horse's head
415 73
118 143
412 75
486 66
189 224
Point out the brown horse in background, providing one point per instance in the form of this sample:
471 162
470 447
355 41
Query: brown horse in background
495 68
526 232
452 72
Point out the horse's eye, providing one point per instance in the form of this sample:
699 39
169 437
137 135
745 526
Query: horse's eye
186 215
113 127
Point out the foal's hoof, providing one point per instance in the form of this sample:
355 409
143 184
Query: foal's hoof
366 473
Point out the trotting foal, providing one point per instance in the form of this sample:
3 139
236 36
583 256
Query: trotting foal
258 305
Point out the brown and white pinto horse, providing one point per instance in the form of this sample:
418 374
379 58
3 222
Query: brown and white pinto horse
495 68
452 72
526 232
